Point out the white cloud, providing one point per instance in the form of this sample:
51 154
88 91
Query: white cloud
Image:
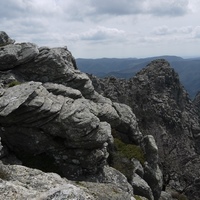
102 33
129 27
168 31
167 7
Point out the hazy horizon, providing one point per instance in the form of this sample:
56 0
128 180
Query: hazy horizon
184 57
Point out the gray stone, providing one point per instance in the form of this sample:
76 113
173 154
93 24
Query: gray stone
154 177
54 120
19 182
5 39
138 169
58 89
112 175
15 96
151 150
56 65
165 196
35 116
141 187
128 122
1 149
13 55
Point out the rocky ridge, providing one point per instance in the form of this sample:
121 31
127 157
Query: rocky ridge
52 119
164 110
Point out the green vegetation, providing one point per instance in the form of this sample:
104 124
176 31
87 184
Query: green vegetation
4 174
122 154
122 164
137 197
13 83
129 150
177 195
182 197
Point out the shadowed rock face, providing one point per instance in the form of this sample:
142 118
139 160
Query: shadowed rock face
164 110
196 103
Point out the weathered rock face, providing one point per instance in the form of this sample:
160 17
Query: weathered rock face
164 110
68 131
56 65
19 182
51 118
5 39
13 55
196 103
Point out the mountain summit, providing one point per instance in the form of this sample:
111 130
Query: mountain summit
164 110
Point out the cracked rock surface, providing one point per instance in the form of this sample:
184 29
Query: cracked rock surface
52 119
164 110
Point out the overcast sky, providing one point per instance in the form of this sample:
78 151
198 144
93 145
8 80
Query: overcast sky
106 28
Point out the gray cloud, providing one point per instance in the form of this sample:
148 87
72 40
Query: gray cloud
117 7
168 7
135 7
162 30
168 31
10 9
197 32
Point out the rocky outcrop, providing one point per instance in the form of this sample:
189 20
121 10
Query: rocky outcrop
68 131
164 110
141 187
13 55
5 39
52 119
152 173
19 182
56 65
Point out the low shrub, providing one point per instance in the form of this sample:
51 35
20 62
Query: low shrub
178 196
13 83
129 150
121 157
182 197
137 197
4 174
122 164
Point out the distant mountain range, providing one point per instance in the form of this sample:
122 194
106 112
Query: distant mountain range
188 69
